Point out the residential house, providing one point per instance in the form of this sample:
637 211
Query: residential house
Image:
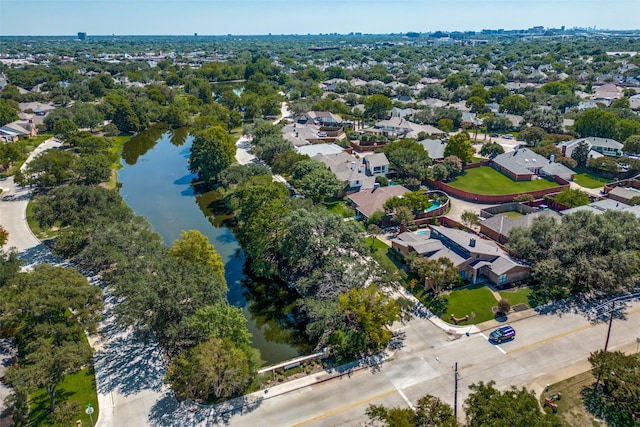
376 164
348 170
498 227
366 202
12 131
604 205
319 118
475 258
598 147
624 190
522 164
313 149
607 93
435 148
404 113
397 127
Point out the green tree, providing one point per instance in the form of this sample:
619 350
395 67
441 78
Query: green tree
581 154
603 164
491 149
498 93
47 311
220 321
370 311
64 128
319 184
584 253
429 411
445 125
195 247
86 115
532 135
270 147
376 106
7 113
596 122
632 144
476 104
572 198
514 104
619 381
460 145
408 158
403 215
213 150
437 274
487 406
216 369
470 218
4 235
49 169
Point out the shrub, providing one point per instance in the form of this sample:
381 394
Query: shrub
504 306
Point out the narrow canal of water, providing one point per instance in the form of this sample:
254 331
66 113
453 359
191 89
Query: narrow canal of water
155 182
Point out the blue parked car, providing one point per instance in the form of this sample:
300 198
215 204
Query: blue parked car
503 333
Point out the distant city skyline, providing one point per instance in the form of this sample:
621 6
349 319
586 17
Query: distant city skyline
254 17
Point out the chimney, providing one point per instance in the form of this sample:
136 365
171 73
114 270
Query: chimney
472 242
353 165
375 186
552 158
564 150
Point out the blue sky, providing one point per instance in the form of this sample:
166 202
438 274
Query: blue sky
214 17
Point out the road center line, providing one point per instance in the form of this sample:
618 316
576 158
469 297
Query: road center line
346 408
553 338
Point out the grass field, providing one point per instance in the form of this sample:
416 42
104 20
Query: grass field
519 296
383 254
79 387
589 181
486 180
475 298
339 207
571 408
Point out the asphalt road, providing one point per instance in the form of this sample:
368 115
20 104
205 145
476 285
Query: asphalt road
13 205
545 347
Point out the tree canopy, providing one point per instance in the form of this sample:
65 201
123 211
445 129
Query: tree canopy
583 253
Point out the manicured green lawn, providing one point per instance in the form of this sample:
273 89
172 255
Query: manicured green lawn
383 254
475 298
339 207
486 180
79 387
519 296
589 181
37 140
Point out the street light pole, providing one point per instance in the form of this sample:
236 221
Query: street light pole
455 393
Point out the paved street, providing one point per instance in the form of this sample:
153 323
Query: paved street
545 346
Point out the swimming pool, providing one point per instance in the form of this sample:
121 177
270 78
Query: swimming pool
435 204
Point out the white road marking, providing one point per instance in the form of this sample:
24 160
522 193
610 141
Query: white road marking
405 399
496 346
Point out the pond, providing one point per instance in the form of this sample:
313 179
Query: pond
156 183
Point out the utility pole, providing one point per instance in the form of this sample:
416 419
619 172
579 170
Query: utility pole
613 306
455 393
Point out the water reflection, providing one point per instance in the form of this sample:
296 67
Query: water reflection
142 142
179 136
274 309
156 183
